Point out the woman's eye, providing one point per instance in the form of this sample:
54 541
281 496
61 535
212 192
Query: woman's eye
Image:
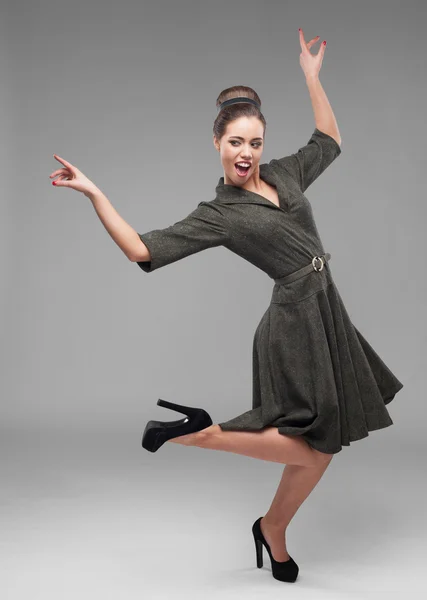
256 144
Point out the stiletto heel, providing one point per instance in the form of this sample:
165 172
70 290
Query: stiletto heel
156 433
258 548
283 571
186 410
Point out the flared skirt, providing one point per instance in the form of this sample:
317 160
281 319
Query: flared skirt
314 373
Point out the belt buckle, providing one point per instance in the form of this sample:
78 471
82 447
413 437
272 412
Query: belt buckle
321 260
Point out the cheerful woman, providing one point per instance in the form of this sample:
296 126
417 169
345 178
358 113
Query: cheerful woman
317 383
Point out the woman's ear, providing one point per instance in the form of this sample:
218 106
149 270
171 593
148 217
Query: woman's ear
216 143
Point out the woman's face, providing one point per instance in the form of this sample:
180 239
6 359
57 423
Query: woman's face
242 142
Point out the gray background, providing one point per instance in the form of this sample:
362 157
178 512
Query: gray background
126 91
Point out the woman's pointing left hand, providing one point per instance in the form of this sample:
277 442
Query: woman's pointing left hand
71 177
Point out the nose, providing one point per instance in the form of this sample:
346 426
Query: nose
246 155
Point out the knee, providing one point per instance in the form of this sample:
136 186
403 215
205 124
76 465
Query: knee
321 458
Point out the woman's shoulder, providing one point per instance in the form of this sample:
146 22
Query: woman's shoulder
212 209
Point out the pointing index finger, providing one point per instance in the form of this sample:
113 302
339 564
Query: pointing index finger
64 162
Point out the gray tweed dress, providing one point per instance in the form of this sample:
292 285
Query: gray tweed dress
314 374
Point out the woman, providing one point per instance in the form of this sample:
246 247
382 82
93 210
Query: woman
317 383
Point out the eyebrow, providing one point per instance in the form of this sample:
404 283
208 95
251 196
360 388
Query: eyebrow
240 138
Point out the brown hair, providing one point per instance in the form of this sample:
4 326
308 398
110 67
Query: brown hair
235 111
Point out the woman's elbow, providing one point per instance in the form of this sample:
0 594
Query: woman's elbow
141 254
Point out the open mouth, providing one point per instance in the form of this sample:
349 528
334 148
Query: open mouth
242 170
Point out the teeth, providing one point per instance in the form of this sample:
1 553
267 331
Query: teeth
243 164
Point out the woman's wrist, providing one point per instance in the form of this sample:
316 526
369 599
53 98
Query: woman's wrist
93 193
312 77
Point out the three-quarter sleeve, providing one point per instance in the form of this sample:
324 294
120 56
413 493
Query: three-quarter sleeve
311 160
205 227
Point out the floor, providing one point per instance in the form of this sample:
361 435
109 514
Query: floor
90 514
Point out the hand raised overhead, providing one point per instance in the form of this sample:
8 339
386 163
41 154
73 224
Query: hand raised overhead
310 63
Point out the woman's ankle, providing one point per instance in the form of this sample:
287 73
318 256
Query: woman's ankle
274 523
205 438
197 438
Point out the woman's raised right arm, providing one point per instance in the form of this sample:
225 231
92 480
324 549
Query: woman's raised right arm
205 227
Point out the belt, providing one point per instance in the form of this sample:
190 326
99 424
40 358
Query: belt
307 269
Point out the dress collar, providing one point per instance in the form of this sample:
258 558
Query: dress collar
233 194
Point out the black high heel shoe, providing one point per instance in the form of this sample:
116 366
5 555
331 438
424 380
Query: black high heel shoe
156 433
283 571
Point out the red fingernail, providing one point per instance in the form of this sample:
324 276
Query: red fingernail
53 182
299 28
324 43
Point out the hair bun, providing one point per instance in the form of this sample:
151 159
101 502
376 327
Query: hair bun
239 99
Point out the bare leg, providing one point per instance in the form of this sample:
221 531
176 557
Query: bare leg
295 486
267 444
